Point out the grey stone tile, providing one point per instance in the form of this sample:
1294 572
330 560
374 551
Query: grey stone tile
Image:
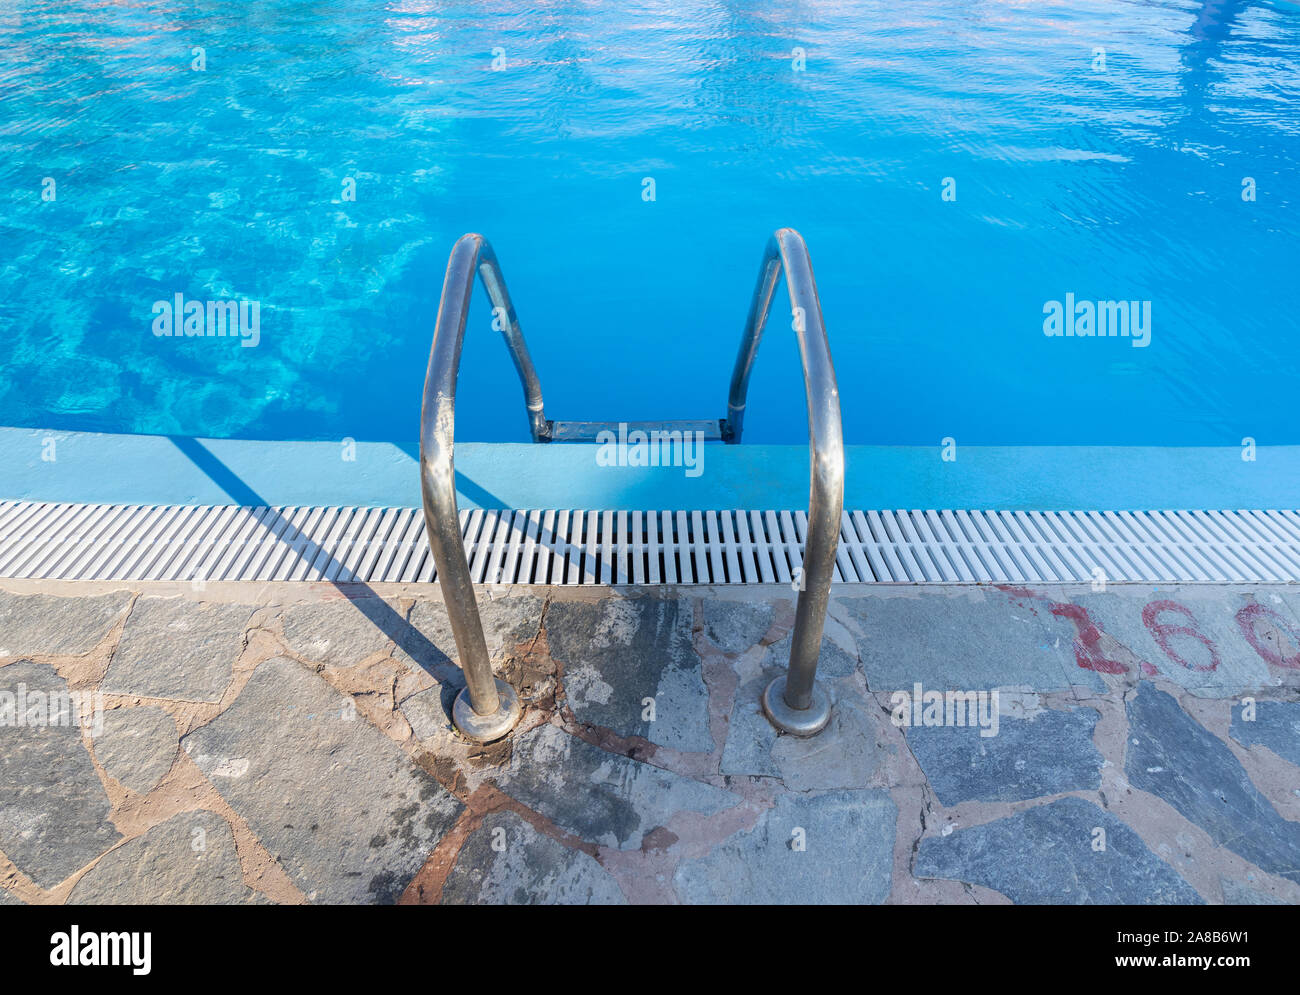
508 862
44 625
834 848
344 810
1286 598
750 736
845 754
976 640
53 807
1072 631
1048 754
1219 661
429 643
1046 856
1237 893
735 626
136 746
1170 755
618 652
177 648
338 633
833 660
188 860
1274 633
9 898
429 712
1276 725
601 797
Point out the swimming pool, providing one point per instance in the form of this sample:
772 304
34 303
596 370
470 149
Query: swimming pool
1096 149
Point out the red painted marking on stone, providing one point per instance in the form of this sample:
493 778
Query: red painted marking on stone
1026 596
1252 614
1018 592
1087 644
1161 633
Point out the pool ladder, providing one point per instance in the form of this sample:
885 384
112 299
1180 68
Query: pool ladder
488 708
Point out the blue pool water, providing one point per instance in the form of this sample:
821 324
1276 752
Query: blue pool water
1122 183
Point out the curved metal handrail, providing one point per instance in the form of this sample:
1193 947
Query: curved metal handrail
795 702
488 708
485 713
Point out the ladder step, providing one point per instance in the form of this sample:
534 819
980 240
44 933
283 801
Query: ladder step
590 431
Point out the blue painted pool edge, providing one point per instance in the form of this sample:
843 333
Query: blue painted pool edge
38 465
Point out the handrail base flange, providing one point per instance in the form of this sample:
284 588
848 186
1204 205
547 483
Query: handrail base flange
796 721
487 728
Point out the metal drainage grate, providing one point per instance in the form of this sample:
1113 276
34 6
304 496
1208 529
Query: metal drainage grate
226 542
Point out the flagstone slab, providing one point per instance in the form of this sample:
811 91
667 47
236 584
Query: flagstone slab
1276 725
1172 756
750 736
831 848
602 797
339 633
46 625
179 649
53 807
1237 893
1048 754
1203 648
735 626
136 746
975 640
1272 629
1051 855
429 643
1288 598
846 754
629 666
428 712
348 815
833 660
188 860
508 862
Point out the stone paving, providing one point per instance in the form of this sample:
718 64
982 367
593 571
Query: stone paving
247 743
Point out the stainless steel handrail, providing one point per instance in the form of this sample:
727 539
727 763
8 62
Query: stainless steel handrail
486 709
795 702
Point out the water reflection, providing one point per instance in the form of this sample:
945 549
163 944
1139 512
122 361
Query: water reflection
228 183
